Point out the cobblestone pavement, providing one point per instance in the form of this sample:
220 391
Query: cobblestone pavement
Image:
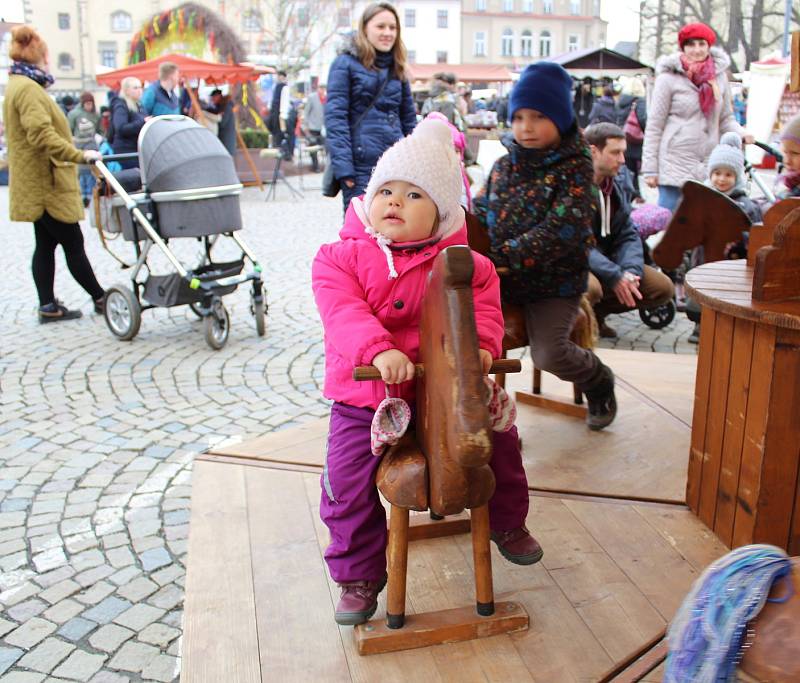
97 438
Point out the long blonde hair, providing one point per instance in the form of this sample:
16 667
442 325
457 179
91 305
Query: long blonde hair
366 51
126 83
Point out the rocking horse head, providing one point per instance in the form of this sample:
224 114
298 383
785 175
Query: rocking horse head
703 217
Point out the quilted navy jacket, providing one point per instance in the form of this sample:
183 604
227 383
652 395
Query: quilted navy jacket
351 88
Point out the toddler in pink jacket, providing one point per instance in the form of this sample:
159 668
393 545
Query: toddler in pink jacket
368 288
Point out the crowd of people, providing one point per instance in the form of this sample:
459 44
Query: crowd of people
558 210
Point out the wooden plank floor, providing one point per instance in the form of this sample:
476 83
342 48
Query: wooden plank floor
259 603
258 594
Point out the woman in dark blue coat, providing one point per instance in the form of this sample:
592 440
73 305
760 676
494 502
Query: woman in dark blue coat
372 65
127 120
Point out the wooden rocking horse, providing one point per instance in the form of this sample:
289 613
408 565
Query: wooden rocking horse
703 217
445 469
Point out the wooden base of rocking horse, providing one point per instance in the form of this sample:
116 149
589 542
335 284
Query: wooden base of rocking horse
435 628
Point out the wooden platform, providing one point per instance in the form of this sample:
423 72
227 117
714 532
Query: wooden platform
259 603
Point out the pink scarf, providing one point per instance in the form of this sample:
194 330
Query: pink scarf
702 74
791 179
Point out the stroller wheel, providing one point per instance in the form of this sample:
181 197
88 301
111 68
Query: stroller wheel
197 309
122 312
658 317
217 326
259 310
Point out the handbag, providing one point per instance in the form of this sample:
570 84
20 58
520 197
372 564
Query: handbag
330 183
634 135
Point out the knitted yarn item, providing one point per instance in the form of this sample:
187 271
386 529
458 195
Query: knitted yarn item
389 423
547 88
502 409
650 219
791 131
707 634
427 159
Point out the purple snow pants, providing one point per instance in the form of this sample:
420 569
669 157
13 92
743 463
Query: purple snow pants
352 511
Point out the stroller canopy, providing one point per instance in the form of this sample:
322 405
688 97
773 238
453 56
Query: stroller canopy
176 153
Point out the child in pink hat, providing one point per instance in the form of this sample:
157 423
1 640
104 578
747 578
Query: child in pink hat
368 288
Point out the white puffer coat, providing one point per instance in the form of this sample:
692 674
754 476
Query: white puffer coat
679 137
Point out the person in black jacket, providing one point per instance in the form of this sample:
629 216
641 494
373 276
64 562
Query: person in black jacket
583 102
127 119
605 109
369 105
619 279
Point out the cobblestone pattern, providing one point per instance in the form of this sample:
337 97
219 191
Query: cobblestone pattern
97 440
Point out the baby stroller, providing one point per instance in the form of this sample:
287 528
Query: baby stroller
186 187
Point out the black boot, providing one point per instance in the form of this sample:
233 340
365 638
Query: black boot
600 397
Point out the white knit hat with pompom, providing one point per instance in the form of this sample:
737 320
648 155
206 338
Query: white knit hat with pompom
427 159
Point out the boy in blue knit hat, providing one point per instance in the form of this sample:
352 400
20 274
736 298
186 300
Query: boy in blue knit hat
538 206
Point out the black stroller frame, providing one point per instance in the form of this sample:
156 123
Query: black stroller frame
201 287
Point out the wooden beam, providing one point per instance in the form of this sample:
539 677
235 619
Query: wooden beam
435 628
794 83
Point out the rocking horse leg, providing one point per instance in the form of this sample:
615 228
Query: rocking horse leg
482 557
537 381
577 394
397 567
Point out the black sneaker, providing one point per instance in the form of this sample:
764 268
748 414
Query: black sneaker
55 312
100 305
602 404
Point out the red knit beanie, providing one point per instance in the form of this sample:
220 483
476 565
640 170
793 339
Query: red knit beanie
696 32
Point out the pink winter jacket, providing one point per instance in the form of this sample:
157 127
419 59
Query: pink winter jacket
364 312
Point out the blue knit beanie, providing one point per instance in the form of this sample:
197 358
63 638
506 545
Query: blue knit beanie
547 88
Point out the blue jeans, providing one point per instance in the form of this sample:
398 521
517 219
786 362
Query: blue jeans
86 179
669 196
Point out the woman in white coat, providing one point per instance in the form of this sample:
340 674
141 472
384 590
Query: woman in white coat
690 109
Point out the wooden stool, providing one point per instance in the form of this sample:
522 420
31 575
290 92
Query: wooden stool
277 173
444 469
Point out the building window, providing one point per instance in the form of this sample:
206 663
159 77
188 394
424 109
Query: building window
441 56
596 6
251 21
508 5
411 18
441 18
547 6
343 17
575 7
526 44
63 21
108 55
507 43
480 44
574 43
480 5
412 56
302 16
121 22
266 47
65 61
527 6
544 43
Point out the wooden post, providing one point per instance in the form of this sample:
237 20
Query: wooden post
482 557
794 84
397 566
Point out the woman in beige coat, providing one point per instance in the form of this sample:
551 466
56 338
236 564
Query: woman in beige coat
689 111
43 176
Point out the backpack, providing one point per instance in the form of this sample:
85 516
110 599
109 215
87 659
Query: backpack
634 135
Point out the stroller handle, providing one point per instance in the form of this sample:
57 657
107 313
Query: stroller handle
769 150
120 157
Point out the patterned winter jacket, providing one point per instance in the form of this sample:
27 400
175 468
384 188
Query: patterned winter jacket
538 206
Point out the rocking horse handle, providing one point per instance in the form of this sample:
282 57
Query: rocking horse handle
503 365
